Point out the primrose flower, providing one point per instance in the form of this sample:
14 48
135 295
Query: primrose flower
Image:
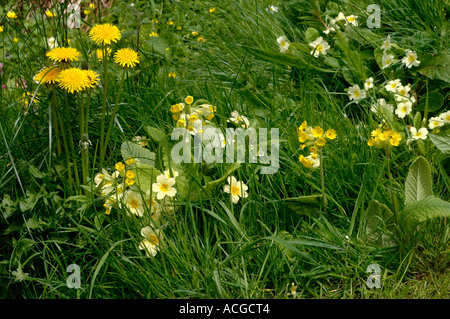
356 93
403 109
133 201
387 44
236 188
284 44
410 59
319 47
393 85
445 117
421 133
52 43
435 122
167 174
368 84
402 93
382 103
387 60
351 20
163 187
151 242
272 9
239 119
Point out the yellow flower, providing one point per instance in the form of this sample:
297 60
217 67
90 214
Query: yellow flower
201 39
153 34
104 34
47 75
119 167
331 134
395 139
99 53
176 108
49 14
194 33
172 75
302 137
12 15
92 6
1 28
126 58
321 141
317 132
15 39
189 99
212 10
86 12
63 54
130 175
76 80
130 161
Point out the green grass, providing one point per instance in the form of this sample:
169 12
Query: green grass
211 247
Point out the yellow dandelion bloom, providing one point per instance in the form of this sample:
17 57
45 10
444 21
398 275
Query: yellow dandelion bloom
63 54
12 15
126 58
76 80
47 75
92 76
104 34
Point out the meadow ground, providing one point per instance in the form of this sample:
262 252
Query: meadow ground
119 125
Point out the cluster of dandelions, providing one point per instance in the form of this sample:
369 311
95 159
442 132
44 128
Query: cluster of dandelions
313 138
120 190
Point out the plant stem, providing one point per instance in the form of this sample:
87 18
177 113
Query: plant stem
72 146
105 91
113 116
82 138
322 182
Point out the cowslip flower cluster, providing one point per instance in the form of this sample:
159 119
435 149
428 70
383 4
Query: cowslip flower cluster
314 138
384 137
192 116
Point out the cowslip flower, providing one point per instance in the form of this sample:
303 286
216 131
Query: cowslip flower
283 43
410 59
356 93
319 47
236 188
151 242
384 137
310 161
164 187
104 34
420 133
126 58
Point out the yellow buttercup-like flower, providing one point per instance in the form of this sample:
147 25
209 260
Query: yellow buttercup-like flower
76 80
11 15
104 34
126 58
47 75
63 54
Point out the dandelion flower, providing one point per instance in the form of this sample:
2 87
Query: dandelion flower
419 133
126 58
284 44
319 47
133 201
47 75
355 92
104 34
410 59
163 187
151 242
76 80
63 54
236 188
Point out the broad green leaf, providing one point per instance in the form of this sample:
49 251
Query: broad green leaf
427 208
379 224
138 152
436 67
435 101
311 35
155 133
441 141
418 182
145 175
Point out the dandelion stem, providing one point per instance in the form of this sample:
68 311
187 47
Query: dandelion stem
105 90
113 115
72 147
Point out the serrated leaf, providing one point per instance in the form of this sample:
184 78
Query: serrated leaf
418 183
136 151
427 208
